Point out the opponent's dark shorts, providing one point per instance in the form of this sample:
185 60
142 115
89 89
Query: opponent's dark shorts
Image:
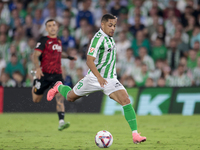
46 81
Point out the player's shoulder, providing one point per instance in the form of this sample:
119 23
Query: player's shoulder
43 39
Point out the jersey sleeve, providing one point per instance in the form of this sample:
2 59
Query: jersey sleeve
40 44
94 46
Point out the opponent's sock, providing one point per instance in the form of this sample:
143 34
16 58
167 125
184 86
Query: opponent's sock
61 115
130 116
63 90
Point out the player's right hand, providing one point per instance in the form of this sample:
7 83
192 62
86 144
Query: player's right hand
102 81
39 73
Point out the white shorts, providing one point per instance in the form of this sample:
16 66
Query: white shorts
90 84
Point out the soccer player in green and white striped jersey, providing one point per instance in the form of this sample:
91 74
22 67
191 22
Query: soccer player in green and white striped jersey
101 60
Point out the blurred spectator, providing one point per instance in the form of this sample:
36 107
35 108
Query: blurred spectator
73 10
136 9
149 83
51 5
81 33
156 74
28 27
72 20
170 24
4 14
140 41
159 51
184 35
129 82
4 46
6 81
37 23
21 10
197 48
137 26
159 33
100 11
172 7
126 63
20 43
153 13
131 71
18 78
196 73
66 24
181 79
122 45
14 65
115 10
2 64
181 45
191 23
173 54
34 5
149 30
142 76
38 19
192 59
195 36
84 49
67 78
67 40
52 15
161 82
15 16
166 74
85 13
146 59
187 71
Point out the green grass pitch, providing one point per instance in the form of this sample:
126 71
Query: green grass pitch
27 131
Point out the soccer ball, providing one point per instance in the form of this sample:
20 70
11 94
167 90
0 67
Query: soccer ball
103 139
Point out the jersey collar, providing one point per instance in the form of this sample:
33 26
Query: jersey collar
103 33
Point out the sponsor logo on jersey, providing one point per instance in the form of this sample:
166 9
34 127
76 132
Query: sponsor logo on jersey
57 47
92 49
38 44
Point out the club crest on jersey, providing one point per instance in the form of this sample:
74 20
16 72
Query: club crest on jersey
38 44
57 47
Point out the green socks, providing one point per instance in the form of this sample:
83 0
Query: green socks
130 116
63 90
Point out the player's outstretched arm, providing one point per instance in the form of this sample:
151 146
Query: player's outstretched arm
64 55
91 65
36 63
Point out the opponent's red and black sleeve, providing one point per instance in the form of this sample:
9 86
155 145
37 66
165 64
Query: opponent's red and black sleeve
40 46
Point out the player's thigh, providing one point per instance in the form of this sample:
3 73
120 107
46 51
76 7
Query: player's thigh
36 98
71 96
121 97
39 87
87 85
115 90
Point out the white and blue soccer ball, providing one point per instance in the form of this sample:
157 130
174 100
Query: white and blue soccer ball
103 139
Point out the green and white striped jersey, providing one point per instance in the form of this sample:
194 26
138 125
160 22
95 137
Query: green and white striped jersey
103 48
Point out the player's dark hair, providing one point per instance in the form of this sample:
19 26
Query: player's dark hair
50 20
106 17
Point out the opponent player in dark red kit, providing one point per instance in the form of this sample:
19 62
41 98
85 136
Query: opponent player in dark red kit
47 60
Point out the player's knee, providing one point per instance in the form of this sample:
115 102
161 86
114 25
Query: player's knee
70 99
36 100
126 101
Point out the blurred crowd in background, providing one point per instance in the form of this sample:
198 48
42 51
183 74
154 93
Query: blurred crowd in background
158 41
